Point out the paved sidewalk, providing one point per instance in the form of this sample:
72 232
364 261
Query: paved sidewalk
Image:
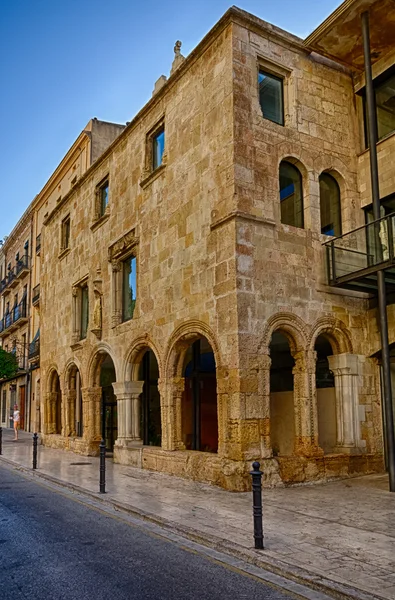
338 536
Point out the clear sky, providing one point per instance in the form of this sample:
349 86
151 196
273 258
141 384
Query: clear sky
65 62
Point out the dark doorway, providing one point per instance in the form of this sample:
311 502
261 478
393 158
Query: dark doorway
199 414
151 430
109 421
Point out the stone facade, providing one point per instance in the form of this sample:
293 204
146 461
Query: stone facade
232 306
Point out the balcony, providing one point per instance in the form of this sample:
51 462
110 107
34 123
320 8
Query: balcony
36 295
34 349
22 267
14 319
354 258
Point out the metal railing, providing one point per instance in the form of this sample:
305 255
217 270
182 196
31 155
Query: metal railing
18 312
22 265
365 249
34 348
36 294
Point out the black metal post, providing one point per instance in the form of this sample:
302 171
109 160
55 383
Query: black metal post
382 301
256 475
35 441
102 467
1 440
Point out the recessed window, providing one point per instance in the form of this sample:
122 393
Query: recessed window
330 208
84 312
128 287
158 147
291 195
102 194
65 233
271 97
384 92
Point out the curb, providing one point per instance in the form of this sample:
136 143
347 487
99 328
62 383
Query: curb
299 575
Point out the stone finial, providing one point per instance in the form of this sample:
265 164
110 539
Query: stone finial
159 83
178 57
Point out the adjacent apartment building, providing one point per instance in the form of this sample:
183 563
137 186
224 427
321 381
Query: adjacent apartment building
192 312
20 265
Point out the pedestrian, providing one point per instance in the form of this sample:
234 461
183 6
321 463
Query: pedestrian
16 418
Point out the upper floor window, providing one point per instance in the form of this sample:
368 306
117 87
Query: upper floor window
65 233
102 195
291 195
271 97
330 207
384 92
128 287
158 147
84 314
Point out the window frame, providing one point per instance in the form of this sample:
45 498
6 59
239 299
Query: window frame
128 259
77 316
65 240
100 210
277 77
332 178
377 82
288 162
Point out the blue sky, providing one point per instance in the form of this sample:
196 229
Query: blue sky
65 62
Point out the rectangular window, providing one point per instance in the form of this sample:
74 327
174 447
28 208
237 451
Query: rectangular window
271 97
128 287
158 147
102 197
84 312
384 93
66 233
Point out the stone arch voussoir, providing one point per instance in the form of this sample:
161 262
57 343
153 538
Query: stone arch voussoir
292 326
135 354
336 332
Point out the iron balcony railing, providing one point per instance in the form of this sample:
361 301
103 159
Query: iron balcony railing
18 312
22 266
36 294
34 348
357 255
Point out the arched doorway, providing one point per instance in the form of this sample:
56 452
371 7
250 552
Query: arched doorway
199 404
326 396
150 412
282 412
109 420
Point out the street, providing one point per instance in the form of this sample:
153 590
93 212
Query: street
56 547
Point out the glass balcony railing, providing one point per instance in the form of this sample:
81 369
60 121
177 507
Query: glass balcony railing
359 254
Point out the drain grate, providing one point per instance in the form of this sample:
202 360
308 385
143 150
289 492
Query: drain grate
79 464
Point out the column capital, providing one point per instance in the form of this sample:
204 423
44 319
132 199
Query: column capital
344 364
125 389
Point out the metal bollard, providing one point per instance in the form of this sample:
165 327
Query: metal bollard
256 474
1 440
35 441
102 467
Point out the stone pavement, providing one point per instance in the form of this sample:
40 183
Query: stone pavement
338 537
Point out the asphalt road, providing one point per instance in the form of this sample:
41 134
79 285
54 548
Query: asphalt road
55 547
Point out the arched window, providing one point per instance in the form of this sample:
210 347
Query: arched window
291 195
330 205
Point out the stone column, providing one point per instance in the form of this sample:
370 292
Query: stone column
128 409
345 370
306 422
264 392
91 407
71 396
171 392
50 412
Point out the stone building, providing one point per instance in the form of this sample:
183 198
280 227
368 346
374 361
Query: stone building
186 311
20 258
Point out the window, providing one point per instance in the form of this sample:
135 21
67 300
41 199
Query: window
84 312
128 287
158 147
330 205
291 195
384 91
271 97
102 198
65 244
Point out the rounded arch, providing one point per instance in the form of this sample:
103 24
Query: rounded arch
53 375
181 339
292 326
97 357
71 366
135 354
297 162
335 331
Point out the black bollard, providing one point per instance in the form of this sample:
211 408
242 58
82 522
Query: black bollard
102 467
256 474
35 440
1 440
